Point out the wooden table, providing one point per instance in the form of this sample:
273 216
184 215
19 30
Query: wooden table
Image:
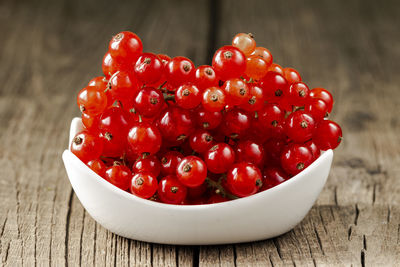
50 49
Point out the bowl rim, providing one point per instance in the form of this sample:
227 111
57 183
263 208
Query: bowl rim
97 178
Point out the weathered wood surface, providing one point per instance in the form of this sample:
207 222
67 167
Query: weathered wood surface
49 49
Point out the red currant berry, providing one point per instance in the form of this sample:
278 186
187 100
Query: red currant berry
213 99
275 87
235 123
176 124
149 164
244 179
256 67
219 158
237 91
299 126
229 62
187 96
264 53
180 70
149 68
114 125
90 122
170 161
99 82
144 138
149 102
86 146
245 42
295 158
123 86
291 75
119 175
191 171
256 100
92 101
316 152
317 108
271 116
205 77
276 68
125 46
298 94
144 185
97 166
250 152
328 135
171 190
201 141
324 95
208 119
272 177
110 65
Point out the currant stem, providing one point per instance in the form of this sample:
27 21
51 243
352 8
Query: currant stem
219 188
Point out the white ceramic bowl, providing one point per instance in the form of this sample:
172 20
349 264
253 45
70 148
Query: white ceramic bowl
260 216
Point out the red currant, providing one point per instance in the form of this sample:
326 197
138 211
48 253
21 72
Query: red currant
144 185
299 126
275 87
171 190
170 161
256 67
324 95
249 151
244 179
229 62
149 164
187 96
219 158
86 146
316 152
123 87
110 65
148 68
291 75
176 124
205 77
237 91
298 94
208 119
328 135
213 99
180 70
119 175
317 108
264 54
276 68
256 100
97 166
201 141
149 102
144 138
191 171
92 101
235 123
295 158
90 122
272 177
125 46
245 42
271 116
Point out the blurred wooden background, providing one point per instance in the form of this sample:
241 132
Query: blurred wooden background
50 49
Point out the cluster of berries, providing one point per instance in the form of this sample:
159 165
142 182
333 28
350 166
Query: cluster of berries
165 130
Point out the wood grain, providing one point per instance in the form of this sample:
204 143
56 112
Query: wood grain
50 49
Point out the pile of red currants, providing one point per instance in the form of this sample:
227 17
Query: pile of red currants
167 131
